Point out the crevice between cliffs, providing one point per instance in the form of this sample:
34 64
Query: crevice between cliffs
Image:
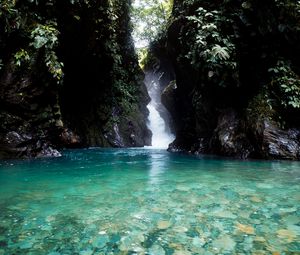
149 19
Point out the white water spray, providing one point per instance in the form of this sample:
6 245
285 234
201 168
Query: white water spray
161 133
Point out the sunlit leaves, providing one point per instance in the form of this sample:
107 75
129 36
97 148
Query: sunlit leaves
21 56
220 52
209 49
47 36
44 35
148 19
287 83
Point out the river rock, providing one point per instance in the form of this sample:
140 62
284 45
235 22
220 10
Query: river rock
24 145
229 136
163 224
245 229
224 243
275 142
156 250
69 138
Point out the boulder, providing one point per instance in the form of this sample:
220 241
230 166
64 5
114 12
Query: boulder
229 138
276 143
15 144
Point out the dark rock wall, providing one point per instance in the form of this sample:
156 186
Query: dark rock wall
68 77
228 99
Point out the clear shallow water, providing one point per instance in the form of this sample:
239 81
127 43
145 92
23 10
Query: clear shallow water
139 201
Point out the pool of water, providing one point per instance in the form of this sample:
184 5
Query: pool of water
141 201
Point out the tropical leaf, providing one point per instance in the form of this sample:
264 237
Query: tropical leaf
220 52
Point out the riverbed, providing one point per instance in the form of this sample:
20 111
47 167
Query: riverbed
147 201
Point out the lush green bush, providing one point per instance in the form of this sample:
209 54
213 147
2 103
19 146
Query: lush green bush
209 48
285 85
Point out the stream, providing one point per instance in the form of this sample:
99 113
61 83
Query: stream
148 201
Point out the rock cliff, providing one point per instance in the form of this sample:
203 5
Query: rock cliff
237 78
69 77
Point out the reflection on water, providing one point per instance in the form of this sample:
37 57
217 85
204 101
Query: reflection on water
139 201
158 164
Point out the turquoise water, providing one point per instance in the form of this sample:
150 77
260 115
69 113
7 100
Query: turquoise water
140 201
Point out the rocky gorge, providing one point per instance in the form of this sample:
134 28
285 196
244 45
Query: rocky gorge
237 85
69 77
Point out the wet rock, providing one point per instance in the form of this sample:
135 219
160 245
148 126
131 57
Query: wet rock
90 89
168 98
175 147
69 138
14 139
86 252
100 241
26 146
46 151
198 242
245 229
114 137
156 250
229 136
287 235
180 229
163 224
182 252
275 142
224 243
225 214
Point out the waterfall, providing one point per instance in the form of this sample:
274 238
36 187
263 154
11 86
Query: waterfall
158 114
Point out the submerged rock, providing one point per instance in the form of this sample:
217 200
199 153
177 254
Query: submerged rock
245 229
224 244
156 250
163 224
287 235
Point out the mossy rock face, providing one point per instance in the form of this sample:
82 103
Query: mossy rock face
127 129
230 137
28 111
168 97
61 87
254 88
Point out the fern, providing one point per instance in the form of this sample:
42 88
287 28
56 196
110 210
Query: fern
220 52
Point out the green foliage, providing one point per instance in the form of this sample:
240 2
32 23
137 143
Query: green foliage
286 84
9 15
7 7
142 56
149 18
260 107
21 56
146 57
209 46
46 36
25 21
